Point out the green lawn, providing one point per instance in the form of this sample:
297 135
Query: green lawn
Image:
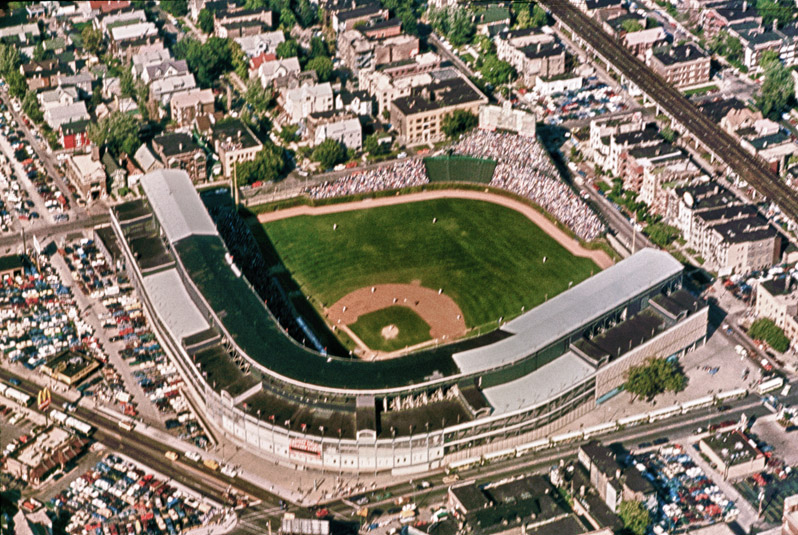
412 329
486 257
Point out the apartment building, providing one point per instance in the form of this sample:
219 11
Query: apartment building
360 52
234 142
418 117
533 53
680 66
180 151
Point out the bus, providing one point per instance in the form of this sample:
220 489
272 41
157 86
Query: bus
770 385
15 395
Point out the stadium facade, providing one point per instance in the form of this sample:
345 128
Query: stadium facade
531 376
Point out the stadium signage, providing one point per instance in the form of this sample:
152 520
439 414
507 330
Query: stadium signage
302 445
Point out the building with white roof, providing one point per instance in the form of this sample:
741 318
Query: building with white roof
67 113
266 42
163 90
302 101
349 132
176 204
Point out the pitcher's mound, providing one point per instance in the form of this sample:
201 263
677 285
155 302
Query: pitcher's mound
389 332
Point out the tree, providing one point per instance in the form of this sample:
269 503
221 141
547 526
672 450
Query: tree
373 146
269 164
765 329
306 14
127 85
496 71
329 153
238 60
776 90
661 234
771 10
257 96
205 21
734 48
458 122
635 517
118 132
539 17
208 61
668 134
31 107
176 8
655 376
287 49
323 67
9 59
287 19
631 25
318 48
288 133
461 26
17 85
39 52
96 96
92 39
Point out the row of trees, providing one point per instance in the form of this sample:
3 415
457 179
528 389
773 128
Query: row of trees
289 13
454 23
765 329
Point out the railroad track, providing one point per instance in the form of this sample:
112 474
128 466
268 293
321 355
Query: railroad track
724 146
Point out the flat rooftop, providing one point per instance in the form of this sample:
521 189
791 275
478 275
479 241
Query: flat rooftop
150 252
132 210
174 305
540 385
624 337
734 447
292 415
222 373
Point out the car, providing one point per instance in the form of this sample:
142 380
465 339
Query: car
660 441
193 455
171 455
643 445
14 381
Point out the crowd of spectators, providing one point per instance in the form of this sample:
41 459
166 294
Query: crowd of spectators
402 174
552 195
525 169
248 257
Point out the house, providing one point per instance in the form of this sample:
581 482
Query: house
41 74
234 142
166 69
117 174
95 8
356 102
187 105
74 135
88 175
261 43
302 101
532 53
418 117
602 9
146 159
241 22
359 52
83 81
276 69
613 483
348 132
640 42
60 96
150 55
680 66
775 149
120 18
128 40
24 34
69 113
111 87
718 18
347 19
777 300
162 91
493 20
179 151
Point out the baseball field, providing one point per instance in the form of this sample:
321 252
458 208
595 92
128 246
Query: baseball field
457 264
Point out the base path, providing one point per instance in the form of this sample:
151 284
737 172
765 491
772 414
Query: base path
437 309
572 245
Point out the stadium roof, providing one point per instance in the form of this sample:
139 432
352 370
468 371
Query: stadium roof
542 384
578 306
174 305
177 205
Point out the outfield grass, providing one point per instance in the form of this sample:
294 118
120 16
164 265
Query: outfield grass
486 257
412 329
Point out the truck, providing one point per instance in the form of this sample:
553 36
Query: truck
171 455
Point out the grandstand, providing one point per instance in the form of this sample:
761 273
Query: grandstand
457 168
253 379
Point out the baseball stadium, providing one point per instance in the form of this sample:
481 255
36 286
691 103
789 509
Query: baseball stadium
395 333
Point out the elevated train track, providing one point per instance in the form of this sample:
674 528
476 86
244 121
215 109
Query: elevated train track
684 114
